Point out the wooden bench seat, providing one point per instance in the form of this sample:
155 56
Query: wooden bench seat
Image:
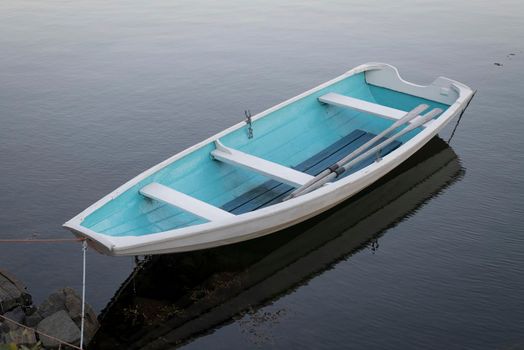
343 101
264 167
182 201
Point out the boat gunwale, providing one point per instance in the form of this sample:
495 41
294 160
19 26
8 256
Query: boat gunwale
114 244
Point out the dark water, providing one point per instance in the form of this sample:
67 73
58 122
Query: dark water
92 93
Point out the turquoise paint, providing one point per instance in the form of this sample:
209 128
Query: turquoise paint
286 136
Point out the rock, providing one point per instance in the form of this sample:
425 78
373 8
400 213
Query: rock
4 328
61 326
54 303
20 336
90 327
66 299
33 319
73 304
58 316
16 315
12 293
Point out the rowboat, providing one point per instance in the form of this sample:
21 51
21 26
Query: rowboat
277 168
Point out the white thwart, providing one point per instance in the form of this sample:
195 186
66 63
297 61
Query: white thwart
343 101
182 201
262 166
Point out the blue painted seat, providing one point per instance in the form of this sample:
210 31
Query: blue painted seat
272 192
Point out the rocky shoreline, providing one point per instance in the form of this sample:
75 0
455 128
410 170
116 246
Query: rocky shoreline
59 316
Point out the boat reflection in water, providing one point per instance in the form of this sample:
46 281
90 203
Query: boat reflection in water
171 299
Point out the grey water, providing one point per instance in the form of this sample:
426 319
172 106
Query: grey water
94 92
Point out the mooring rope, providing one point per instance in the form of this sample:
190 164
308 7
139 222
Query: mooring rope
460 117
84 250
44 240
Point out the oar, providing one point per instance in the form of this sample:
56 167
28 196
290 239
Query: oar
426 118
409 116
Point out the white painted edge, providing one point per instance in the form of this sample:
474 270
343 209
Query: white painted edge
262 166
126 245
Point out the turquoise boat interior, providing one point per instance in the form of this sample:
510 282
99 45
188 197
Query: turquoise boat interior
306 135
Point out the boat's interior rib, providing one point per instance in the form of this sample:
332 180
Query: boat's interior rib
343 101
259 165
182 201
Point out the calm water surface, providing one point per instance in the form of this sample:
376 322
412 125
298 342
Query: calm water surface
94 92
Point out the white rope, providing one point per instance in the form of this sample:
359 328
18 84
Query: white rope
84 249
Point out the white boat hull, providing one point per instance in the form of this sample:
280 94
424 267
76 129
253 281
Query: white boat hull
279 216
